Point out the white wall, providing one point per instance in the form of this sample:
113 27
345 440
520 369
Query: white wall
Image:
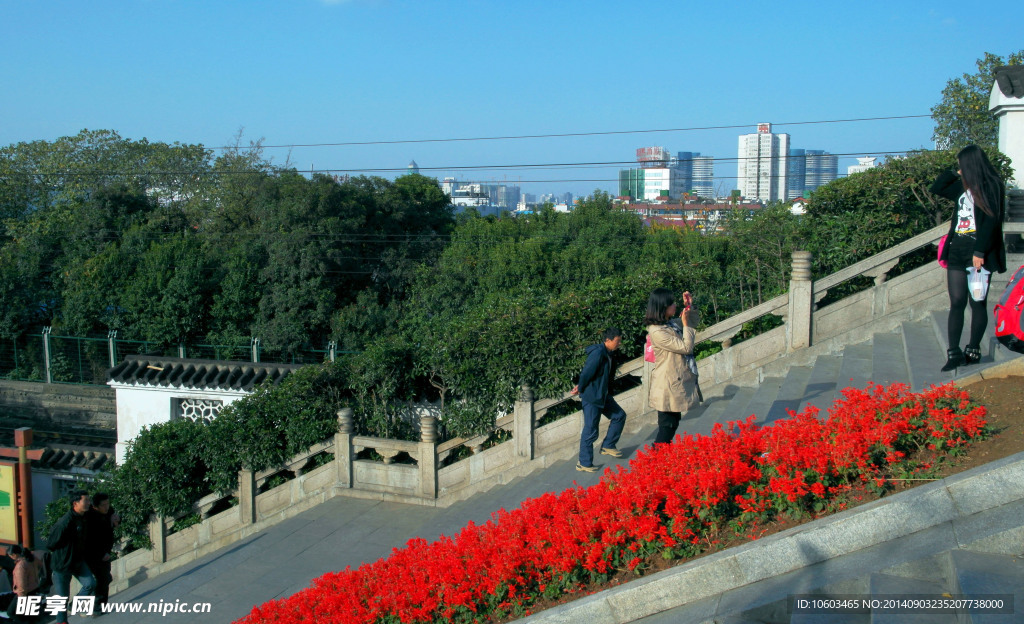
139 407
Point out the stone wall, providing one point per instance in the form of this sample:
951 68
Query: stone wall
63 408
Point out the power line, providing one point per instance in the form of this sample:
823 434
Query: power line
571 134
533 166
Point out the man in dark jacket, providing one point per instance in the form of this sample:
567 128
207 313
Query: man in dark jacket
67 545
100 522
593 388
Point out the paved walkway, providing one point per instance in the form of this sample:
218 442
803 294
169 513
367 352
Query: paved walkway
283 559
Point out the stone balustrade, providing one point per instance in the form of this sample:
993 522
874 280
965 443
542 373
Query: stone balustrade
437 473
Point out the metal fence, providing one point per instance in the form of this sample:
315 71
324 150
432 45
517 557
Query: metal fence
45 357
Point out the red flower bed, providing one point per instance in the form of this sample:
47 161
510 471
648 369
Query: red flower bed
673 500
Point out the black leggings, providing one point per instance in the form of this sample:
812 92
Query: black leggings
668 422
956 282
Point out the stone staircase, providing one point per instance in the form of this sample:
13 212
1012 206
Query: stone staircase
912 354
917 563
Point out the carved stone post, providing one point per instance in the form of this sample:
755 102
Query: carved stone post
247 496
801 302
428 456
158 536
522 425
343 455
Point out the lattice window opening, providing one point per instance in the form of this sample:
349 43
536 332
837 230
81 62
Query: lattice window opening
199 410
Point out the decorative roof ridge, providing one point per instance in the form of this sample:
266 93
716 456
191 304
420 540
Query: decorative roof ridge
197 374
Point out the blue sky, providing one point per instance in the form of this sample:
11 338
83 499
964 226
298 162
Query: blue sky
318 71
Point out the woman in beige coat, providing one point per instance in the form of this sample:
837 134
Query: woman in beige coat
673 384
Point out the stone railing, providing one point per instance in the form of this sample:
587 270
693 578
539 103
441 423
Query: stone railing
423 472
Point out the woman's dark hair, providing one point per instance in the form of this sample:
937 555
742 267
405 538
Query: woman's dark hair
657 306
22 552
980 177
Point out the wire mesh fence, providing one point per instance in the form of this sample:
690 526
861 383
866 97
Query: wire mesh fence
21 359
44 357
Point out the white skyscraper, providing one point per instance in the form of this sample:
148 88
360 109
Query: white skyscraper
762 169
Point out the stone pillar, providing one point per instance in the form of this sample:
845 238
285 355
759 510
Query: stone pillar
246 496
801 303
1006 103
522 425
428 456
343 455
158 537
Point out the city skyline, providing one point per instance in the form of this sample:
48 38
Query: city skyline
366 86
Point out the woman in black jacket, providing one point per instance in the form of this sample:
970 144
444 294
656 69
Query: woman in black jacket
975 239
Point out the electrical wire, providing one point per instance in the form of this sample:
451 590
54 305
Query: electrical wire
567 134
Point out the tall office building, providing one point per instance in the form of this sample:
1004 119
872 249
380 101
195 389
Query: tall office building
763 164
821 168
697 173
704 176
809 169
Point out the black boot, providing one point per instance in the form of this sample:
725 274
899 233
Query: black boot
972 355
954 359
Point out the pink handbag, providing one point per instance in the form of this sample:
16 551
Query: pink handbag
648 350
942 248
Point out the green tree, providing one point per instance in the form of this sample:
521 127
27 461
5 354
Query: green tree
962 117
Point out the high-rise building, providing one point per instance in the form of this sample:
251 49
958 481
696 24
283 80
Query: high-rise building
797 173
763 164
809 169
703 176
697 173
821 168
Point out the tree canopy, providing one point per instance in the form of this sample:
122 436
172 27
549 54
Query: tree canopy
962 117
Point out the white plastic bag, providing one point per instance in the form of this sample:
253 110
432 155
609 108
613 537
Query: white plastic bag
977 283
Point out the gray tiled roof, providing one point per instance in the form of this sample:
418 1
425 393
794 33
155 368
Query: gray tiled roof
143 370
55 458
64 451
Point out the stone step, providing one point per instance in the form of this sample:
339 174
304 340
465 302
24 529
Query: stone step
924 355
761 402
717 410
737 407
790 394
823 383
888 585
991 349
889 362
980 575
857 366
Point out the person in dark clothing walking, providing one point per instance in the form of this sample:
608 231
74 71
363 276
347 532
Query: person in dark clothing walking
67 545
100 522
593 388
975 240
